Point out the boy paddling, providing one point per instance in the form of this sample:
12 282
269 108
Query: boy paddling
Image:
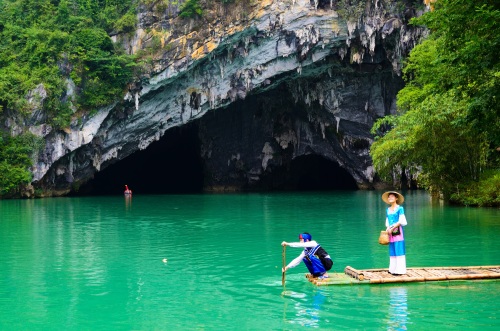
316 259
127 191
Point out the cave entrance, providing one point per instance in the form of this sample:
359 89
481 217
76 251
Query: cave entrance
315 173
168 166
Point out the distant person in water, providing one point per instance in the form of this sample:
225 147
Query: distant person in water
316 259
394 221
127 191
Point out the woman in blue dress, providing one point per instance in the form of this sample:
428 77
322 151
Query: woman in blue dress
394 222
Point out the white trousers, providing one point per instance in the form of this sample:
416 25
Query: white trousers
397 264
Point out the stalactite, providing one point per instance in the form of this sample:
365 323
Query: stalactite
244 59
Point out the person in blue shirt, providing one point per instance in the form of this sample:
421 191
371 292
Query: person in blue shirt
394 221
316 259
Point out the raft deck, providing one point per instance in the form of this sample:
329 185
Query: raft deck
426 274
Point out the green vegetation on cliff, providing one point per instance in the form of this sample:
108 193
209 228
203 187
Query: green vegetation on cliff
449 127
16 156
62 49
47 42
57 60
191 8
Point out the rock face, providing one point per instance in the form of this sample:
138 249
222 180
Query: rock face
275 81
263 135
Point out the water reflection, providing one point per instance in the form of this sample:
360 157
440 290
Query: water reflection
63 257
308 309
128 202
398 309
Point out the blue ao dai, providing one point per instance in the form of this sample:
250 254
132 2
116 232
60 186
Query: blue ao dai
397 252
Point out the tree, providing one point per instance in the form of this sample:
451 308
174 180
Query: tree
191 9
449 124
44 43
16 156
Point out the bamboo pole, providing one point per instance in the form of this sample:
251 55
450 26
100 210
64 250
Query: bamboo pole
283 256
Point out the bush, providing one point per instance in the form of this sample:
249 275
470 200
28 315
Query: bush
191 9
485 193
45 44
16 157
126 23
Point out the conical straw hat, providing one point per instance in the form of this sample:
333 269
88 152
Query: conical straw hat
400 197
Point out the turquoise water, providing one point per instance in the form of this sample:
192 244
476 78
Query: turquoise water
98 263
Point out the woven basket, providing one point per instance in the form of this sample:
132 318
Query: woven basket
383 239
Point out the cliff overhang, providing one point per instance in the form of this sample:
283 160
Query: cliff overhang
299 78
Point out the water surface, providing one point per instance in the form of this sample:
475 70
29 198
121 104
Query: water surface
97 263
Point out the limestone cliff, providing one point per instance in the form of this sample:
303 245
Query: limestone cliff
266 82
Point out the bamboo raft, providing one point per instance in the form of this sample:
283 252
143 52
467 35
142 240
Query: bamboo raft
426 274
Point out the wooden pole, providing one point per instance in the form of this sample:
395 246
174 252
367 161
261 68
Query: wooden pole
283 255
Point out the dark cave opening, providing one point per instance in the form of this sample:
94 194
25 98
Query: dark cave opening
169 166
173 165
315 173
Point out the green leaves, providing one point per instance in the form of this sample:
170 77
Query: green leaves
468 34
191 9
431 138
126 23
46 42
449 127
16 155
93 41
485 193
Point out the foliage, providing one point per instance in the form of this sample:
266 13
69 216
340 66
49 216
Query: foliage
351 10
160 6
466 35
126 23
432 143
16 155
45 42
449 127
191 9
486 192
